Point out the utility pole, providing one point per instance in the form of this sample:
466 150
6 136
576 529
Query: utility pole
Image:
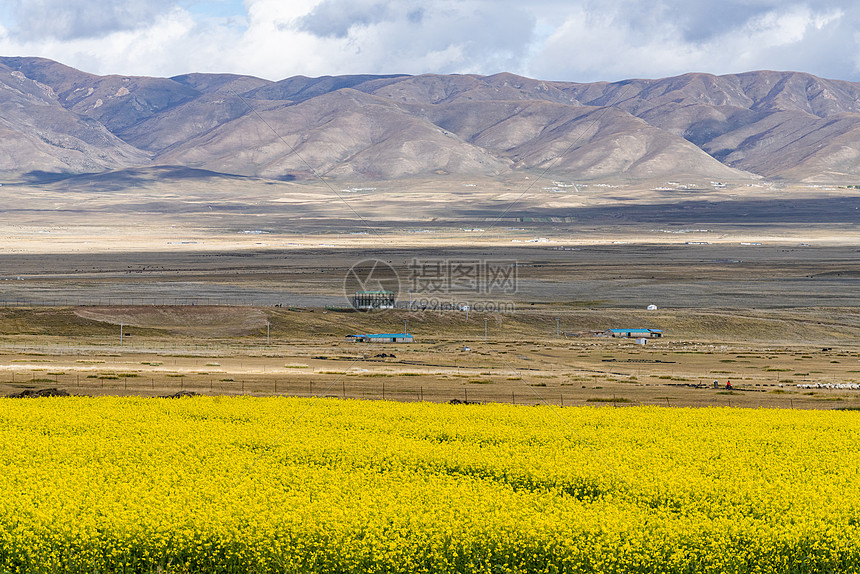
485 330
120 334
557 328
267 333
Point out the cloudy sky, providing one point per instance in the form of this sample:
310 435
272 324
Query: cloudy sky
573 40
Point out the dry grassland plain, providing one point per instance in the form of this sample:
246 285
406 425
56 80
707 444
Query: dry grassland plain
219 286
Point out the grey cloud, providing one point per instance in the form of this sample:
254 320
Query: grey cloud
72 19
485 32
696 21
701 20
415 16
830 52
334 18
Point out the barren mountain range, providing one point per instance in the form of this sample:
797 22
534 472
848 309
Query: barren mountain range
56 120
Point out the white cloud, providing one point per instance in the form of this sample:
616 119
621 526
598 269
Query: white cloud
578 40
612 45
384 37
173 43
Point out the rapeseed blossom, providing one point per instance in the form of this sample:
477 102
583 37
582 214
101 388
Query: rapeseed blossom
310 485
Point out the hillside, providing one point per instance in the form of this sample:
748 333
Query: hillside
56 120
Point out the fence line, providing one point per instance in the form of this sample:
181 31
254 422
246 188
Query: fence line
256 384
144 302
200 349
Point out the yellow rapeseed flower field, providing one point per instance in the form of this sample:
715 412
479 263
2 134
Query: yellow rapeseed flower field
302 485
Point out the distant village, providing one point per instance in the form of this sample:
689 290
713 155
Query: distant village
381 299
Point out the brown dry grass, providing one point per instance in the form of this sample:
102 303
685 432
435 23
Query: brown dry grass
521 361
205 321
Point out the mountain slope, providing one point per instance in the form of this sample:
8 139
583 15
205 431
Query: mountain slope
40 134
340 134
758 124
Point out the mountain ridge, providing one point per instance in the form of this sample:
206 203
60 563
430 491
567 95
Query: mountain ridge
764 124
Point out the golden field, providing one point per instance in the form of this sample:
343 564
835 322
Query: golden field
242 484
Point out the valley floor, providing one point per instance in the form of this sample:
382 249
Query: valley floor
236 287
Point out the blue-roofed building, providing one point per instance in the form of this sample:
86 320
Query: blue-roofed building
381 338
635 333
